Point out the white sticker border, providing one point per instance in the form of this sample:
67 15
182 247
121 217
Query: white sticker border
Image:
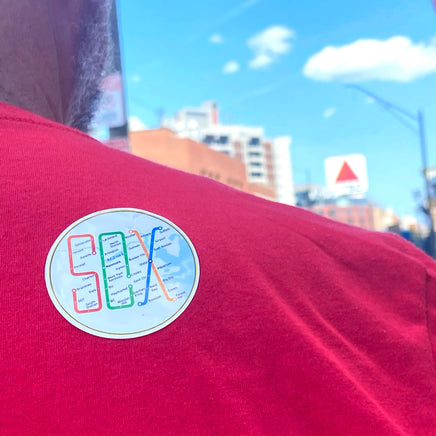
105 334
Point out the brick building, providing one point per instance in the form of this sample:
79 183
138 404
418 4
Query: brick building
267 161
166 147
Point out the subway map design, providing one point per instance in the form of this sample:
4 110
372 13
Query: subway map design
122 272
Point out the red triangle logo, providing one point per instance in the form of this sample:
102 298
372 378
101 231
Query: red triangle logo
346 174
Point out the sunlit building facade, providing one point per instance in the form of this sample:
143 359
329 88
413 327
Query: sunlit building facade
267 162
166 147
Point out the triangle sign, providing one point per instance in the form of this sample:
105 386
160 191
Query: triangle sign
346 174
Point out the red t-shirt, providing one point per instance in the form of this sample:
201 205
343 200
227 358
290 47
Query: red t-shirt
300 325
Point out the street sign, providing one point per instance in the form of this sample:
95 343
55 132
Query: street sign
346 175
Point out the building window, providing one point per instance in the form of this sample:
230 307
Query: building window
254 141
256 174
223 139
208 139
254 154
331 212
195 114
255 164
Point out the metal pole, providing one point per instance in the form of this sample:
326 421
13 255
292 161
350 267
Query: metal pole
427 209
119 131
386 104
419 119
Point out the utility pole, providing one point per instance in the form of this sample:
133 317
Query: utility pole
117 131
418 119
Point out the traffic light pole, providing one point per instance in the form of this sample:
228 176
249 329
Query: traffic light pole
419 119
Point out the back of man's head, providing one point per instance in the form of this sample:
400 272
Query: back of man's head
52 56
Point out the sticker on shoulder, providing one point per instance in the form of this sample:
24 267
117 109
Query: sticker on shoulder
122 273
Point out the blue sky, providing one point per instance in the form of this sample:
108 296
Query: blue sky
283 65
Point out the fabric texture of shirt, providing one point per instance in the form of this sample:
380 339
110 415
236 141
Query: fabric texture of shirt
300 325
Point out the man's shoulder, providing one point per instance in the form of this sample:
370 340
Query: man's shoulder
59 151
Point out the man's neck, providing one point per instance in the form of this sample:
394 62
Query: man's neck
36 64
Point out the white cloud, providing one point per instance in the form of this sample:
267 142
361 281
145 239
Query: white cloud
256 92
329 112
229 15
136 124
216 38
261 90
395 59
239 9
369 100
230 67
136 78
269 45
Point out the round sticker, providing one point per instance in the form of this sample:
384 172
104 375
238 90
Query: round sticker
122 273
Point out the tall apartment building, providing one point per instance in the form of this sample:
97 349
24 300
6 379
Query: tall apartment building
267 162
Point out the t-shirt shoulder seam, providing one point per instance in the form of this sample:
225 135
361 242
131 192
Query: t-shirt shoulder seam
45 124
429 278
